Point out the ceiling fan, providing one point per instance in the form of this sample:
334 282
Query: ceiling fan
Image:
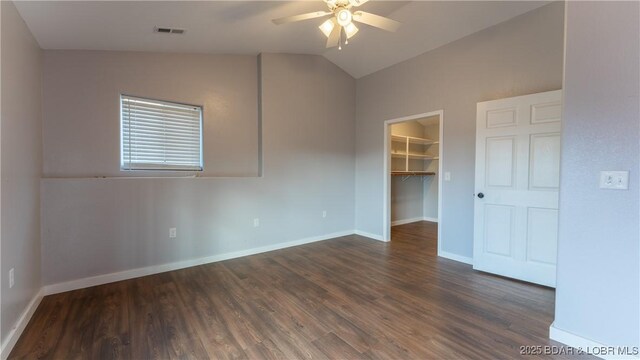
341 23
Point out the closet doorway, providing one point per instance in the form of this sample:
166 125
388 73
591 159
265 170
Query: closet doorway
413 170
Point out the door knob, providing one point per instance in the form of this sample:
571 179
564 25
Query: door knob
480 195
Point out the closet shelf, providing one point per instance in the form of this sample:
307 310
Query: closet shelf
413 140
414 156
412 173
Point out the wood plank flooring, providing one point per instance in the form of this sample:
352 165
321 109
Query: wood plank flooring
346 298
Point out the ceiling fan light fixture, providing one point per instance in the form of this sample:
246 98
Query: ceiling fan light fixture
340 27
327 27
344 17
350 30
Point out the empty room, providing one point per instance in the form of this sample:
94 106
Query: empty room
320 179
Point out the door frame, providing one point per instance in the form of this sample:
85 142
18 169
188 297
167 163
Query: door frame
386 173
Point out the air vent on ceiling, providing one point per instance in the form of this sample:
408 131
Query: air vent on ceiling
167 30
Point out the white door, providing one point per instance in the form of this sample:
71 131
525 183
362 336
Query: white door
517 178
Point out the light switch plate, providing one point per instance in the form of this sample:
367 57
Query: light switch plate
447 176
614 180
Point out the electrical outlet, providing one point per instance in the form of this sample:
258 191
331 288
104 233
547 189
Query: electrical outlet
614 180
256 222
173 232
11 278
324 213
447 176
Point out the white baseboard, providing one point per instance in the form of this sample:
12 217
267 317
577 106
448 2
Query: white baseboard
369 235
156 269
455 257
412 220
406 221
584 344
20 325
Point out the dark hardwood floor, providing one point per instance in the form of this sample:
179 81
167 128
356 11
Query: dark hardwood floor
347 298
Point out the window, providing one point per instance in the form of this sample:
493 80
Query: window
160 135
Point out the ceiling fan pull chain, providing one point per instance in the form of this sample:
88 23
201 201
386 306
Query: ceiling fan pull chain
346 38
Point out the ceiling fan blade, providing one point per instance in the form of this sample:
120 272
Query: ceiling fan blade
357 2
334 38
307 16
376 21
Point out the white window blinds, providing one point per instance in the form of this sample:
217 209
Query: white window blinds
159 135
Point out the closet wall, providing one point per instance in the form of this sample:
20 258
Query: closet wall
407 193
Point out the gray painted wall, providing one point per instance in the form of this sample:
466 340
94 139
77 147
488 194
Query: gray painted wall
21 165
430 184
99 226
517 57
598 294
81 107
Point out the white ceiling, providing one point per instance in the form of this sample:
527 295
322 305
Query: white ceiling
244 27
431 120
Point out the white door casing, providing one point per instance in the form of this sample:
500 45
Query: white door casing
517 173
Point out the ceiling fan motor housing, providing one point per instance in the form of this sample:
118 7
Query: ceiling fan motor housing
347 4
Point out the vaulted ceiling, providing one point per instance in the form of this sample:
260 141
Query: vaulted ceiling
245 27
